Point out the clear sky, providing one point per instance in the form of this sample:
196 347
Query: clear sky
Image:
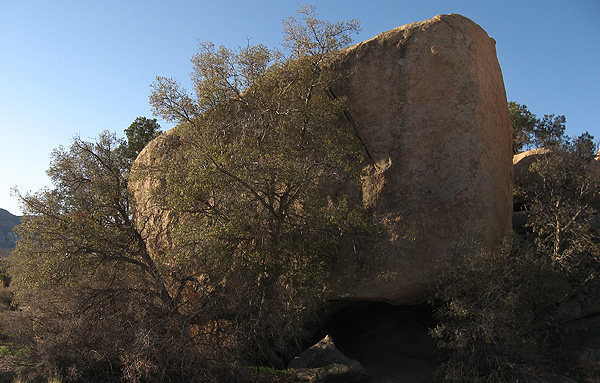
79 67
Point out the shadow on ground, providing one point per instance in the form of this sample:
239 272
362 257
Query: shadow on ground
392 342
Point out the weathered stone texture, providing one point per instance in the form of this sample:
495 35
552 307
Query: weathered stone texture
147 185
428 100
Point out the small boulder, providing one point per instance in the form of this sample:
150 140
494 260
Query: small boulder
427 101
323 362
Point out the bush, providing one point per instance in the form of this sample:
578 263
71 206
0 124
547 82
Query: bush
257 226
494 310
502 312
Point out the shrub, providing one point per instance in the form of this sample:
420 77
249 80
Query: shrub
502 312
494 310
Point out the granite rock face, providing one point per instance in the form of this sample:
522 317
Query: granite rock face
147 182
428 101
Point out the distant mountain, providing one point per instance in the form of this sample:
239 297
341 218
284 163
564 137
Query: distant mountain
7 222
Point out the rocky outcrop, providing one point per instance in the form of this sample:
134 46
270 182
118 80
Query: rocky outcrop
523 160
427 99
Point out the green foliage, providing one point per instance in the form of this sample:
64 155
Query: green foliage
583 146
261 190
550 131
530 131
267 199
10 350
139 133
523 124
81 227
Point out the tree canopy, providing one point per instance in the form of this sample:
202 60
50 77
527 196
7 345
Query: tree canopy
80 266
139 133
530 131
263 188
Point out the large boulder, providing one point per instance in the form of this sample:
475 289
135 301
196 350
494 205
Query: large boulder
429 103
427 100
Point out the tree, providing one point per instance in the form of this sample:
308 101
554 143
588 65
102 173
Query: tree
530 131
562 197
82 269
262 196
261 189
523 124
550 131
139 133
87 214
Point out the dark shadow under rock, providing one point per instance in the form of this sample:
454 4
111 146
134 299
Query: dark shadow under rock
391 342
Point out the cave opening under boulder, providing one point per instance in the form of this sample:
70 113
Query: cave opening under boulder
391 341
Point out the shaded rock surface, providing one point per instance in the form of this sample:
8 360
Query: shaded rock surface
323 362
428 101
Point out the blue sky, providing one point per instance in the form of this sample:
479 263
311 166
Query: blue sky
79 67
